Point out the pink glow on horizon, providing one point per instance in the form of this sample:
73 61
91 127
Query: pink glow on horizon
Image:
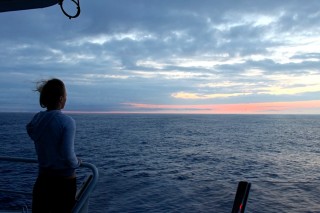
296 107
246 108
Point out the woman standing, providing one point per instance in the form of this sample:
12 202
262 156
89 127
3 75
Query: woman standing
53 134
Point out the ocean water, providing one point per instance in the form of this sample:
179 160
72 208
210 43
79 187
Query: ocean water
182 163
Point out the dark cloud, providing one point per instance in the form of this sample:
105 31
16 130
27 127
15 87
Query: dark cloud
145 51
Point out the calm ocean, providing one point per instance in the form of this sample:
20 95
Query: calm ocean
183 163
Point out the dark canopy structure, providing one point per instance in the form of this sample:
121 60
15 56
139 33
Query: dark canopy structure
15 5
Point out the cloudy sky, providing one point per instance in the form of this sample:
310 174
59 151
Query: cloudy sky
166 56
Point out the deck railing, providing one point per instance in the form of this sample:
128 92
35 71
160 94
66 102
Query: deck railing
83 193
87 187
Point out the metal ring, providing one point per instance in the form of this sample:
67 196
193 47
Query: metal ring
77 3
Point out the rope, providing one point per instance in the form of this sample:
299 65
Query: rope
77 3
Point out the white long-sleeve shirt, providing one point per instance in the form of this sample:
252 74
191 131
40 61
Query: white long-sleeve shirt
53 134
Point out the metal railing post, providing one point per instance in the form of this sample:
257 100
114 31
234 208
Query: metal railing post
82 202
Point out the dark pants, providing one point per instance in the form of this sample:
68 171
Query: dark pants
53 195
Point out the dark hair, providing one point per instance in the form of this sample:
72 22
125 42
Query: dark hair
50 92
